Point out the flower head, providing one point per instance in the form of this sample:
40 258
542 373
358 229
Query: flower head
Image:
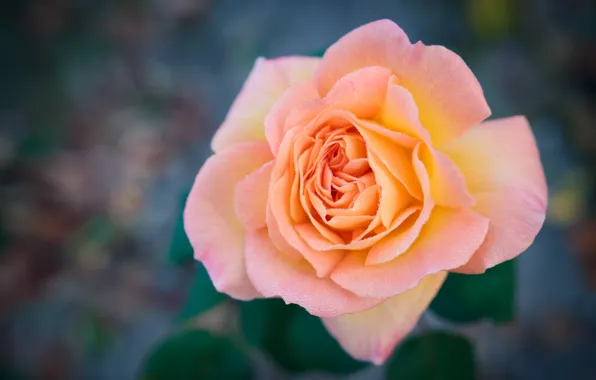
350 185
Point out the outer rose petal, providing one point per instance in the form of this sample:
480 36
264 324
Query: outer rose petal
372 44
501 164
373 334
447 184
447 241
449 98
267 81
276 275
251 196
210 221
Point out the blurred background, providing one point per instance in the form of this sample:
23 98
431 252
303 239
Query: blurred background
106 113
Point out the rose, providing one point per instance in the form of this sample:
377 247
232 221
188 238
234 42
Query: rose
350 185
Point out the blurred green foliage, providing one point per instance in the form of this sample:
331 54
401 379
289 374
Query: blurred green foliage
196 354
296 340
180 251
491 19
434 355
202 295
470 298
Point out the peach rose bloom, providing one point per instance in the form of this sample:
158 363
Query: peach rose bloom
352 184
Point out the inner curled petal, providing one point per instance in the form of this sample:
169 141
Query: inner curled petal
343 195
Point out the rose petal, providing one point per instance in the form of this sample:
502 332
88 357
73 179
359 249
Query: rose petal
395 158
369 45
274 275
449 98
267 81
447 183
361 92
402 238
501 164
394 196
280 215
291 100
448 240
373 334
251 196
210 220
400 113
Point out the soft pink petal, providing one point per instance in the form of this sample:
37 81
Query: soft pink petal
267 81
295 99
373 334
210 220
449 239
449 98
501 164
251 196
373 44
276 275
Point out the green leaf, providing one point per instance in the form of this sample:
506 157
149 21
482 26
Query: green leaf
196 354
296 340
180 251
318 53
469 298
202 295
433 356
40 144
11 374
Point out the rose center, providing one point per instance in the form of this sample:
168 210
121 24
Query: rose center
339 187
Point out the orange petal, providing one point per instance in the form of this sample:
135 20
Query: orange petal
394 197
251 196
501 164
349 222
280 215
402 238
447 241
361 92
366 203
373 334
400 113
274 275
360 242
265 84
210 220
398 137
